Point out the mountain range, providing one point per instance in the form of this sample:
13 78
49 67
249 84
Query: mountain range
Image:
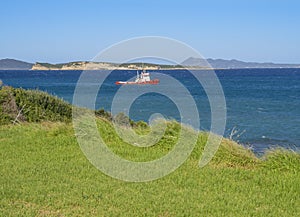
232 64
191 62
11 64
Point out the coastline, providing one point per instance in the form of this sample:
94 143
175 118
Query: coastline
140 66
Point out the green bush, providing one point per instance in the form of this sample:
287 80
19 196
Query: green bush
32 106
8 107
103 114
17 104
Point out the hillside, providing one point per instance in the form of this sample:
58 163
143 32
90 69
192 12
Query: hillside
84 65
47 174
11 64
80 65
232 64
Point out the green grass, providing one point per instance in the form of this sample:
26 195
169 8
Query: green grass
44 173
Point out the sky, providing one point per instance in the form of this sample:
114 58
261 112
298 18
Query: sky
59 31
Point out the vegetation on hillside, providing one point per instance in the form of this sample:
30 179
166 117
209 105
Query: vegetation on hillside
50 66
83 64
20 105
44 172
17 105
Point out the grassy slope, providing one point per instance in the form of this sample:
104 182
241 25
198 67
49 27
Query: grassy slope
44 173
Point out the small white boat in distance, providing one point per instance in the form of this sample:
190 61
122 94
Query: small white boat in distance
142 78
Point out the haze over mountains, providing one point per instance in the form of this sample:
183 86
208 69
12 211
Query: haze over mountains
191 62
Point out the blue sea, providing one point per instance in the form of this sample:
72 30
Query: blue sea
263 105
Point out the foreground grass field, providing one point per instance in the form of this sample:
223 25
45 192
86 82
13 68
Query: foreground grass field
44 173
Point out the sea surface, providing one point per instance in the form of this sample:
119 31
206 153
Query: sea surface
263 105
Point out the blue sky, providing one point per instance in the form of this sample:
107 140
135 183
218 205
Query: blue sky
69 30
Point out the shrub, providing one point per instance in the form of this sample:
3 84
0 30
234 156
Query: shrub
32 106
104 114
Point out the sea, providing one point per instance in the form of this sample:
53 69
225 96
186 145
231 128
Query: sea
262 105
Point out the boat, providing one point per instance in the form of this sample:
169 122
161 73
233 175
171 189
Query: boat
141 78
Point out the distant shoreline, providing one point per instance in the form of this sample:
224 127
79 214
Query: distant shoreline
188 64
165 69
